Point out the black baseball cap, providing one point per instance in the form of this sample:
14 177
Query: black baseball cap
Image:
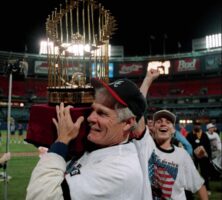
164 114
126 92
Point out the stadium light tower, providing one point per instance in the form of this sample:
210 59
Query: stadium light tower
213 41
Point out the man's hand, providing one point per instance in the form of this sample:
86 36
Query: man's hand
152 74
200 152
66 128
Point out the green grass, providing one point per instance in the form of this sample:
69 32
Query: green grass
15 145
19 168
216 189
14 148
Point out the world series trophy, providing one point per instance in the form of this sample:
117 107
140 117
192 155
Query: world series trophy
77 50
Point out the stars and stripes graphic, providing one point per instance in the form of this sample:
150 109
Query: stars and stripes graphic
162 175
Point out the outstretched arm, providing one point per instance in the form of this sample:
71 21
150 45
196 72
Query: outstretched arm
151 75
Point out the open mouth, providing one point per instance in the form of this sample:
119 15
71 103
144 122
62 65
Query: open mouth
163 129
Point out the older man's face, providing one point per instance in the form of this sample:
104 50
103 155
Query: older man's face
105 127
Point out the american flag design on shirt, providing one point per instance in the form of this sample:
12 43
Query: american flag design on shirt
162 176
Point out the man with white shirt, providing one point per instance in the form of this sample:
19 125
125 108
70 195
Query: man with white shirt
112 171
215 143
153 163
171 168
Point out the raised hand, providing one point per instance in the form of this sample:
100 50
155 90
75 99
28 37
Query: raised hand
153 74
66 128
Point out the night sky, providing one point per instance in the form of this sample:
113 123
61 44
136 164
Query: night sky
23 24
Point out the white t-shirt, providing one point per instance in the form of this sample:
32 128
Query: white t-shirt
112 173
109 173
181 173
215 144
171 172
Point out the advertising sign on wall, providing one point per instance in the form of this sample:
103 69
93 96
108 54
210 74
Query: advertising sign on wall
187 65
134 69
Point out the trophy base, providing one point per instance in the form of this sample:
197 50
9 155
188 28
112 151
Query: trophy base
77 97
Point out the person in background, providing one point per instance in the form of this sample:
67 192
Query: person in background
147 148
151 75
201 151
215 143
172 170
20 132
183 130
181 141
12 130
178 139
168 169
216 130
112 168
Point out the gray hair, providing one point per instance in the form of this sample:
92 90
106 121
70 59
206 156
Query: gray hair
123 112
